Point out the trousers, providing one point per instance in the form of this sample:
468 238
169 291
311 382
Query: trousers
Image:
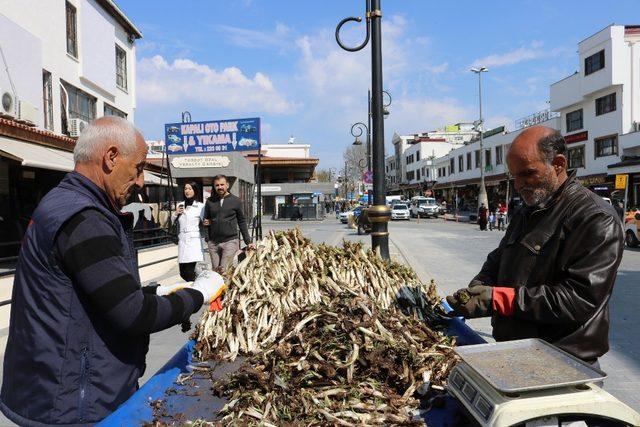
222 253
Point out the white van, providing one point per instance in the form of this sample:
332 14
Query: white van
424 207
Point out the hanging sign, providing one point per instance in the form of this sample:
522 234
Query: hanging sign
216 136
195 162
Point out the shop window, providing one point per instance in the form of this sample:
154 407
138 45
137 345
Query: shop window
469 161
47 100
499 155
607 146
574 120
606 104
576 157
594 63
72 33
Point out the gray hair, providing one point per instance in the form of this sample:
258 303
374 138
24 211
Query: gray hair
101 133
552 145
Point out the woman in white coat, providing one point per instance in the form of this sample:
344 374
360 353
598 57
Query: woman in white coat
190 244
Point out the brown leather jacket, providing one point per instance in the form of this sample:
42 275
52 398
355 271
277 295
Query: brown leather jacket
562 260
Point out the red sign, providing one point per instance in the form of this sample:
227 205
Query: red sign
577 137
367 177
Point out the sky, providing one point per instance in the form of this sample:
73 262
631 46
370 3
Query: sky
278 60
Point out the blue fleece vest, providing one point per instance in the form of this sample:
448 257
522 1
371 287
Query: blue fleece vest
64 365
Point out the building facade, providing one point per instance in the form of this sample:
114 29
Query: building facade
63 64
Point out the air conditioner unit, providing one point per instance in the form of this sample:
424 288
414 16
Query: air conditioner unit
76 126
8 104
27 112
636 126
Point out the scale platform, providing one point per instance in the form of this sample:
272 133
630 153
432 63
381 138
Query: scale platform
532 383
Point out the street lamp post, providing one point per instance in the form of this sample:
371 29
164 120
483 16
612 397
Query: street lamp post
482 197
379 213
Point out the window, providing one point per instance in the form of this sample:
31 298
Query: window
594 63
81 104
452 166
499 155
607 146
606 104
418 156
418 174
47 99
113 111
426 173
576 157
411 175
121 68
469 161
72 34
477 159
460 163
487 158
574 120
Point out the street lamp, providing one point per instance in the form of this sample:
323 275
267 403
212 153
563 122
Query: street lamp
482 197
379 213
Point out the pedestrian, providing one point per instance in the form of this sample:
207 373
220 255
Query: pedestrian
482 217
502 216
190 243
80 321
223 215
553 273
492 220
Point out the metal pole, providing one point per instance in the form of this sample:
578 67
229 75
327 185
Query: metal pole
259 194
482 196
381 212
369 192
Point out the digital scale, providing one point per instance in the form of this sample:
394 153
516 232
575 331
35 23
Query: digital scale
531 383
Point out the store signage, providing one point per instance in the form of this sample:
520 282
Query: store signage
621 182
194 162
576 137
217 136
271 188
593 180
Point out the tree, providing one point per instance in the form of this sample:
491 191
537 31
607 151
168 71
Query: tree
324 175
354 163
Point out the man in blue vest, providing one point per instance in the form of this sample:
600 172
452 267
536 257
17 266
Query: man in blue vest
80 321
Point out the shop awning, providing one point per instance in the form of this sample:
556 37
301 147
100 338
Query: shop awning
36 156
152 178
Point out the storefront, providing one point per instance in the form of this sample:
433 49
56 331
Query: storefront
280 199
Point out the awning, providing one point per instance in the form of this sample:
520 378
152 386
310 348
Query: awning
152 178
36 156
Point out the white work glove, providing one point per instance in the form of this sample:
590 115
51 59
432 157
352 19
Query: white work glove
164 290
210 284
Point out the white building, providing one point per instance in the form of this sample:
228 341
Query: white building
67 60
600 107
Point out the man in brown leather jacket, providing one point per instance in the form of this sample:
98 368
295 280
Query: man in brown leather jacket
552 275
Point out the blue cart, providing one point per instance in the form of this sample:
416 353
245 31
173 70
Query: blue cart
198 401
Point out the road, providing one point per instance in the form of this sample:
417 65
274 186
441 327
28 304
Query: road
451 254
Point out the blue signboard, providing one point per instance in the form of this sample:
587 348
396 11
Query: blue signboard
216 136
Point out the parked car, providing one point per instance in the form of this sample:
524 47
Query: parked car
400 211
344 216
363 223
424 207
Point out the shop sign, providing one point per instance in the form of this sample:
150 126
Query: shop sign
195 162
216 136
576 137
270 188
621 182
593 180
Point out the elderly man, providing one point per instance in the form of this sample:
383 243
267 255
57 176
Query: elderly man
80 321
552 275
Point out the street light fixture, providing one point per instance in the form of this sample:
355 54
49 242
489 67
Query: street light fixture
379 213
482 196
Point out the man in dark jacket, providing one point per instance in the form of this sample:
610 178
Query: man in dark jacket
223 216
552 275
80 321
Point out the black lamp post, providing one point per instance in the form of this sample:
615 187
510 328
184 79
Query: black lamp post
379 213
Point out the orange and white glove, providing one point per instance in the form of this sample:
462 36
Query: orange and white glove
164 290
210 284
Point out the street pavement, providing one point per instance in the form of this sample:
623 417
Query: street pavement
452 253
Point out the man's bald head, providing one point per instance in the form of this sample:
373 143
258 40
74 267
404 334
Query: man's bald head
538 163
104 132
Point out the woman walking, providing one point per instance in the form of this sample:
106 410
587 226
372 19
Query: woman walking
190 246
